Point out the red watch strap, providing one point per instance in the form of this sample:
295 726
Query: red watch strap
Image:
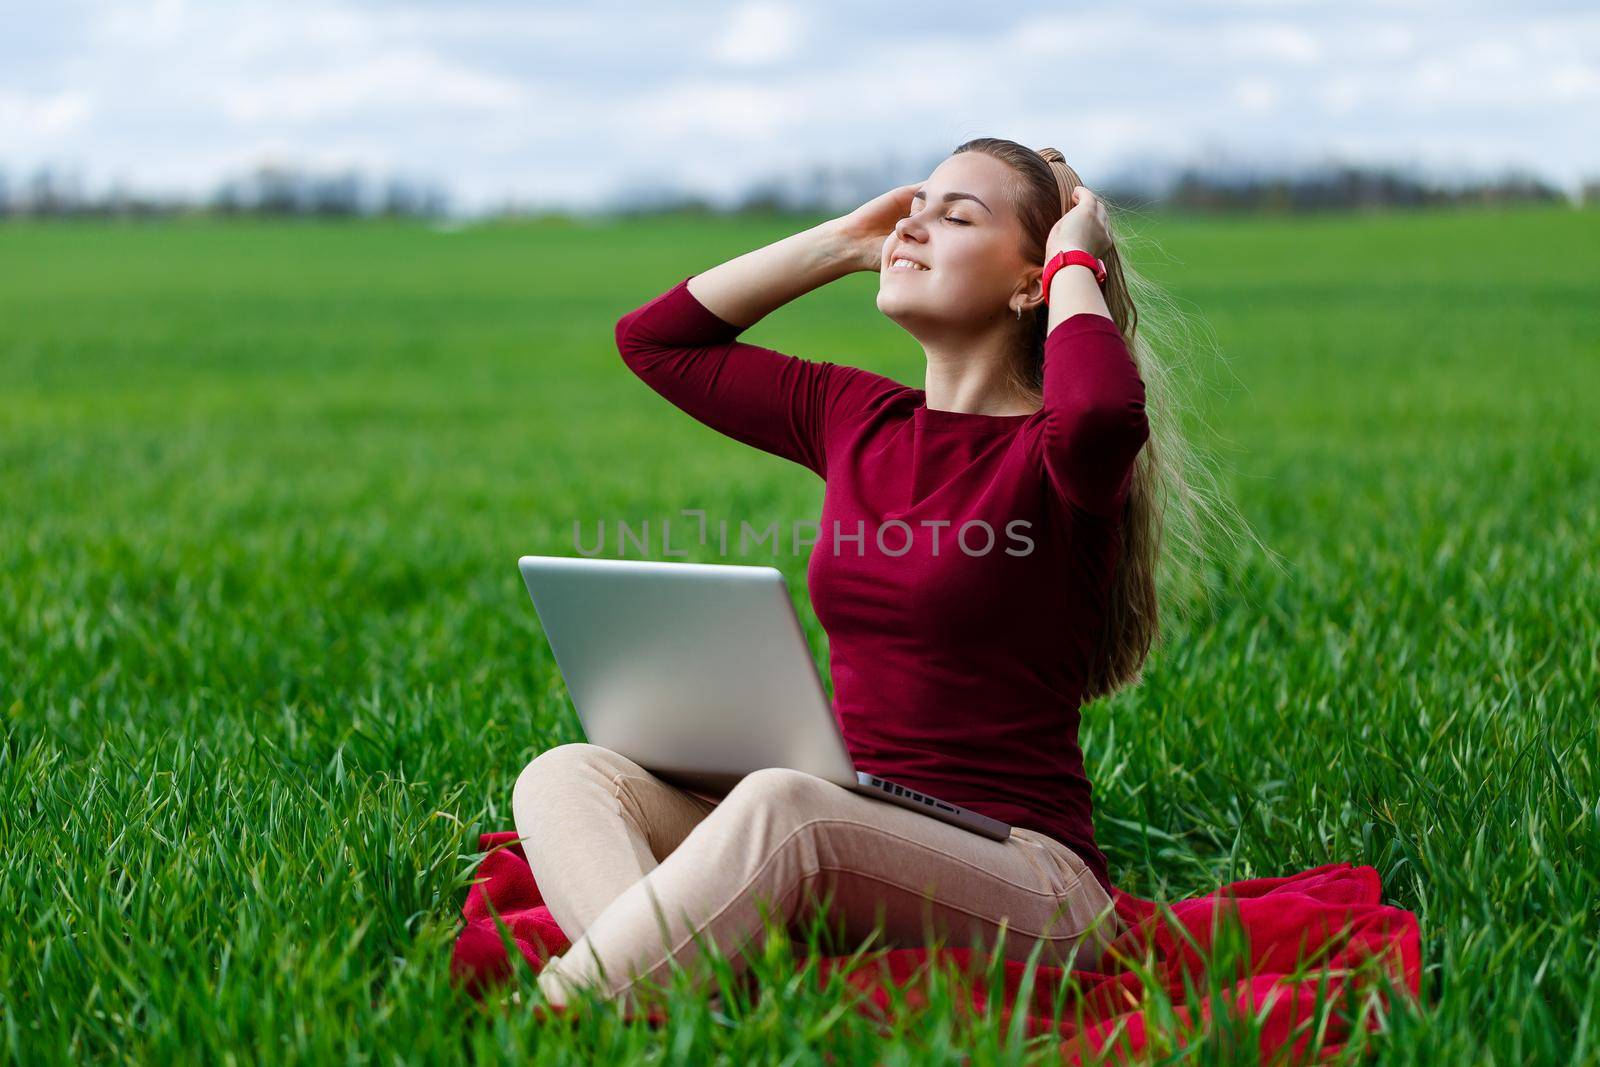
1070 257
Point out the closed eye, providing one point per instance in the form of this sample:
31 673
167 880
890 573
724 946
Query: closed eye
954 218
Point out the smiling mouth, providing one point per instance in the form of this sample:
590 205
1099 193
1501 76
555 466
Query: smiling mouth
906 265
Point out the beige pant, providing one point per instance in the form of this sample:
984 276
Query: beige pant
635 869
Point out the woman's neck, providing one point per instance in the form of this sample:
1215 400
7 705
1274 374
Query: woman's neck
974 379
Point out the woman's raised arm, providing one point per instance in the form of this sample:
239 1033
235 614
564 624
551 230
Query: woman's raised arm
683 343
1095 421
748 288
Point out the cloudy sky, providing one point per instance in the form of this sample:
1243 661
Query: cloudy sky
565 104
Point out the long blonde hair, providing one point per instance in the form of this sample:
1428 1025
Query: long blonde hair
1173 496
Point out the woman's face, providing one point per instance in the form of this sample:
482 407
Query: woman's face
963 230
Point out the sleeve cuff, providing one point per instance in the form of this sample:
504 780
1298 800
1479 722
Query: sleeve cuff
1085 322
699 317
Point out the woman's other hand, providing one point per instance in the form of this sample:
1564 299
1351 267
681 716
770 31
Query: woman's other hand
1084 226
867 229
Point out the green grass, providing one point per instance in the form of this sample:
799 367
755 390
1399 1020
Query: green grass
267 668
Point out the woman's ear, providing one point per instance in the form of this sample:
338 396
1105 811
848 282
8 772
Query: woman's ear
1032 290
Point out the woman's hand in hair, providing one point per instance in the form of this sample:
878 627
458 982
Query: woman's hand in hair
1084 226
866 230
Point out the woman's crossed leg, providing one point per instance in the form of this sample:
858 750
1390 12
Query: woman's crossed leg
642 870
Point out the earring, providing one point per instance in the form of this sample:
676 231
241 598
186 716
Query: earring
1019 312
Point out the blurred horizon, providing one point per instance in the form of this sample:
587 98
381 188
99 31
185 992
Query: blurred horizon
486 108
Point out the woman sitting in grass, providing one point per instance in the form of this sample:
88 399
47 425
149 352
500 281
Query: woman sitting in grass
986 564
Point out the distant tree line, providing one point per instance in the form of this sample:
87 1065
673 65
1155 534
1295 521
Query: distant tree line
287 191
1194 187
1347 187
268 190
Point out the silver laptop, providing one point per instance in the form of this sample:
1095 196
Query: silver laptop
700 673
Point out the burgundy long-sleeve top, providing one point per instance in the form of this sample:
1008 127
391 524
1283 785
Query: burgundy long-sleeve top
958 656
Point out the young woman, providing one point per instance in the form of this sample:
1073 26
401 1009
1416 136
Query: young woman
959 658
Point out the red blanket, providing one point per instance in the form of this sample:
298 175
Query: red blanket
1302 931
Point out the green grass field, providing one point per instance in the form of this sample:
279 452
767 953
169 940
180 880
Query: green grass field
267 668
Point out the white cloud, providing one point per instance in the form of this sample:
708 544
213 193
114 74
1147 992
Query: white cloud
404 82
1258 96
759 34
1389 40
1076 37
1341 94
1273 42
42 121
1574 82
736 109
151 24
1503 75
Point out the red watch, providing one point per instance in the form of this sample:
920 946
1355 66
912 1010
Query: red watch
1067 258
